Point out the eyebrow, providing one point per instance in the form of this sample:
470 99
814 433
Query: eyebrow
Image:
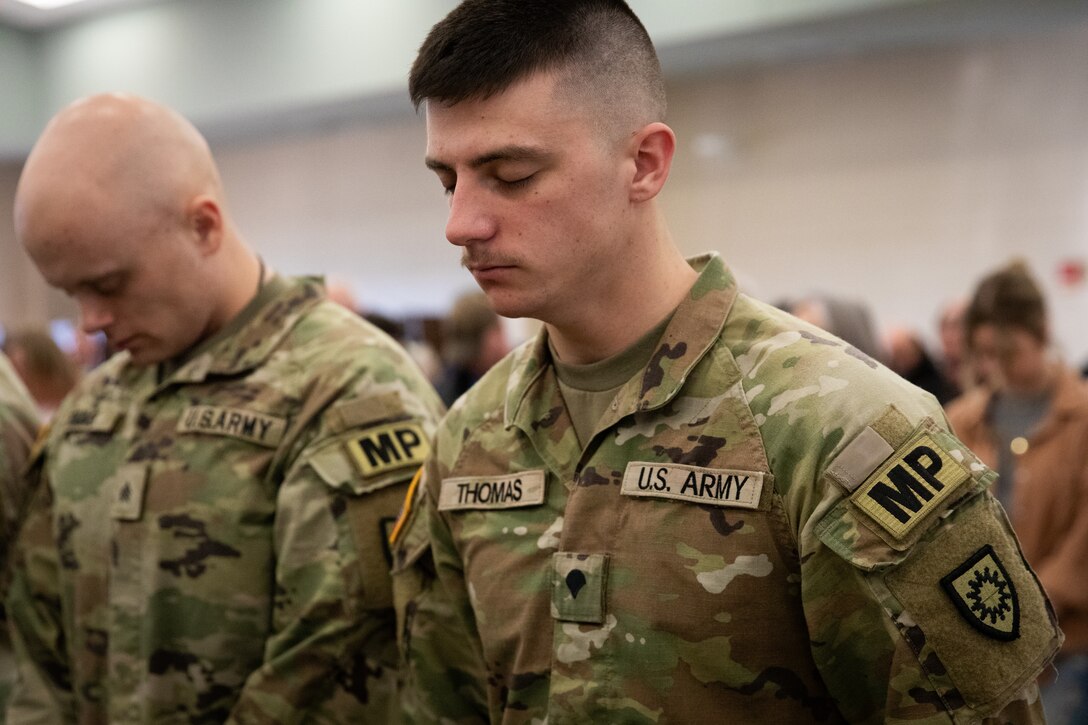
503 153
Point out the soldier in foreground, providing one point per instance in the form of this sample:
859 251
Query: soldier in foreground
208 542
676 504
18 427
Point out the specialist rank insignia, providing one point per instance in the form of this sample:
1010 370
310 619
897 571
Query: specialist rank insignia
984 594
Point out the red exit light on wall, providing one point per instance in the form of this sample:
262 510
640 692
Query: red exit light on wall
1071 272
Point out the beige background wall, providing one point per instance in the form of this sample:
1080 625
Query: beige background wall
895 177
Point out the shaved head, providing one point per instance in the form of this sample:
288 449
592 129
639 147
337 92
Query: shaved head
116 146
120 206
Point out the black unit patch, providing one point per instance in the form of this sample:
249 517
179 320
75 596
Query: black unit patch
984 594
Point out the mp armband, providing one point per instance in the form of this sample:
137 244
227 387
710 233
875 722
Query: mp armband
938 555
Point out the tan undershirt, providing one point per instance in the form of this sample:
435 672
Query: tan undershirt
588 390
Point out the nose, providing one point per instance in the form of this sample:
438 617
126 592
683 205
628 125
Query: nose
470 220
94 316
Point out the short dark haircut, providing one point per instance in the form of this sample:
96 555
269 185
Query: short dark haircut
1008 297
484 46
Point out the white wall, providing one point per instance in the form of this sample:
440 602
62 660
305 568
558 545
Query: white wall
898 177
21 105
356 204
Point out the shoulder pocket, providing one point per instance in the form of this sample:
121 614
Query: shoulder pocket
940 558
961 596
902 496
365 460
371 505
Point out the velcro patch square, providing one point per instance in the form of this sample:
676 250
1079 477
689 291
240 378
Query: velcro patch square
388 447
984 594
128 492
578 587
910 485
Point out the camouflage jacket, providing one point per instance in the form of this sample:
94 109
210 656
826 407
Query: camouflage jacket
767 526
212 547
18 427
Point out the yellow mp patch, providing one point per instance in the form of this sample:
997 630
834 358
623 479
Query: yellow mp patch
985 596
388 447
910 484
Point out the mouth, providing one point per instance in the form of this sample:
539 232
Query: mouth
122 344
491 274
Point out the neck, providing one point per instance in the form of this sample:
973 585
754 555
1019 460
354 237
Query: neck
1038 384
243 278
639 294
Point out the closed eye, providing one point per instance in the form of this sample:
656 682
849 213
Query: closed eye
515 184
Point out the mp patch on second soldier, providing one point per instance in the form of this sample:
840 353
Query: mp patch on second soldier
388 447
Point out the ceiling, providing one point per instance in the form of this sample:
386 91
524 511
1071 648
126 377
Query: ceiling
250 67
27 17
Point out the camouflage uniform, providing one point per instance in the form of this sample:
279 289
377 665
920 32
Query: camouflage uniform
18 426
212 547
18 423
767 526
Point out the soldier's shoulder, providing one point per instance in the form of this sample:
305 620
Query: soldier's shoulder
328 337
115 373
331 323
486 399
788 365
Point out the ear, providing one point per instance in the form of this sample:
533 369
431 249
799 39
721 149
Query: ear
653 147
206 223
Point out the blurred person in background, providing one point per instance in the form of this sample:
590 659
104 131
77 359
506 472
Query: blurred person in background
1028 419
420 351
18 427
908 357
208 539
473 340
46 371
953 364
342 294
849 320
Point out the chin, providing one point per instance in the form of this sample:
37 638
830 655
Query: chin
513 302
144 358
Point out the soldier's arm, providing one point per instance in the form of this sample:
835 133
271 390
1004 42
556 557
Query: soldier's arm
920 605
442 675
332 644
18 428
42 693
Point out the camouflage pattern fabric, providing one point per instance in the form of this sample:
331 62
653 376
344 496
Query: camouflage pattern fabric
212 547
18 427
728 546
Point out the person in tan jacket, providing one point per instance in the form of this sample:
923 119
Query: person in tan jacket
1029 421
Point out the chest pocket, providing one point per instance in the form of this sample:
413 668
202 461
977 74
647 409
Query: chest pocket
98 422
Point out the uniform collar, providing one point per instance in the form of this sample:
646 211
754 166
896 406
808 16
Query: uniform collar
250 338
533 399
